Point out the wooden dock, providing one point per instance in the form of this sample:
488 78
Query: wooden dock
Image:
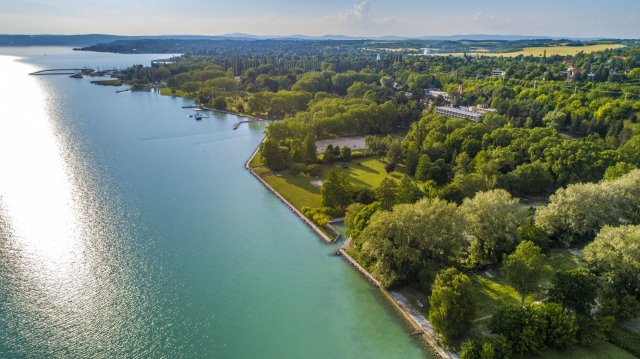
237 124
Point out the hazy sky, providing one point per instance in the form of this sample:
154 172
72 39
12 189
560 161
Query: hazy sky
574 18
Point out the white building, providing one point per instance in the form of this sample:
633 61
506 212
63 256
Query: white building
497 72
472 113
435 93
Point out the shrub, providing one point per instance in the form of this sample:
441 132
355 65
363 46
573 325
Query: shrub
297 168
469 350
561 327
593 330
523 326
313 170
450 304
389 167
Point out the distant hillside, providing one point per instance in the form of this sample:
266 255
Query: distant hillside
87 40
240 44
93 39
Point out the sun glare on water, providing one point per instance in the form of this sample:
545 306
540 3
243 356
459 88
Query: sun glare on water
43 231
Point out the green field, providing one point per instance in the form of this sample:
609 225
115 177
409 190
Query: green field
300 191
603 350
539 50
560 50
491 290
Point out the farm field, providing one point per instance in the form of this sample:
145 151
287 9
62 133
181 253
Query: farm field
539 50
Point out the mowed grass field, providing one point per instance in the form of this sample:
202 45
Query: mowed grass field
301 191
539 50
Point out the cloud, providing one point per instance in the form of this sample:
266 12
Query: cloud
358 13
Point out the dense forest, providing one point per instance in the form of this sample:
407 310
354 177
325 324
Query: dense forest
564 134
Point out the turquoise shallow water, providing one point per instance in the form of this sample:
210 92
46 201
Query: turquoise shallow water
130 230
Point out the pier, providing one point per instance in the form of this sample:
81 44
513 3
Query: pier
76 73
61 72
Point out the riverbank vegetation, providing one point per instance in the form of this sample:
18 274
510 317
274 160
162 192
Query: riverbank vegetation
515 233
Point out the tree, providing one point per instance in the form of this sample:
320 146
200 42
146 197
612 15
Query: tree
529 231
427 169
358 216
468 184
615 255
555 119
413 155
523 326
422 168
309 148
328 155
386 193
493 218
593 329
469 349
626 193
336 190
399 244
273 156
561 327
345 153
630 151
618 170
577 212
524 268
451 305
529 179
575 289
408 191
220 103
394 153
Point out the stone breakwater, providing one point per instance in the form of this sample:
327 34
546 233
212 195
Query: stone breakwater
417 321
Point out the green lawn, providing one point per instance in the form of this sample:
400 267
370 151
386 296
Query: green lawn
301 192
491 289
367 172
298 190
604 350
489 294
256 161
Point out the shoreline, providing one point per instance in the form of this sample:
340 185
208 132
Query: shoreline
428 336
302 217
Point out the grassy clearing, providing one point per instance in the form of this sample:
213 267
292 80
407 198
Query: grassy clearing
625 338
603 350
489 294
298 190
301 192
490 289
256 161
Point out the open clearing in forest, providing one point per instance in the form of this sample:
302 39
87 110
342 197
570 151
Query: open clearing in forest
300 190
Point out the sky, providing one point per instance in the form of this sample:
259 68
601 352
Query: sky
567 18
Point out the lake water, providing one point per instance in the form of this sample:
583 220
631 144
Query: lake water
128 229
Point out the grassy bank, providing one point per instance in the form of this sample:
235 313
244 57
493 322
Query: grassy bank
303 190
116 82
